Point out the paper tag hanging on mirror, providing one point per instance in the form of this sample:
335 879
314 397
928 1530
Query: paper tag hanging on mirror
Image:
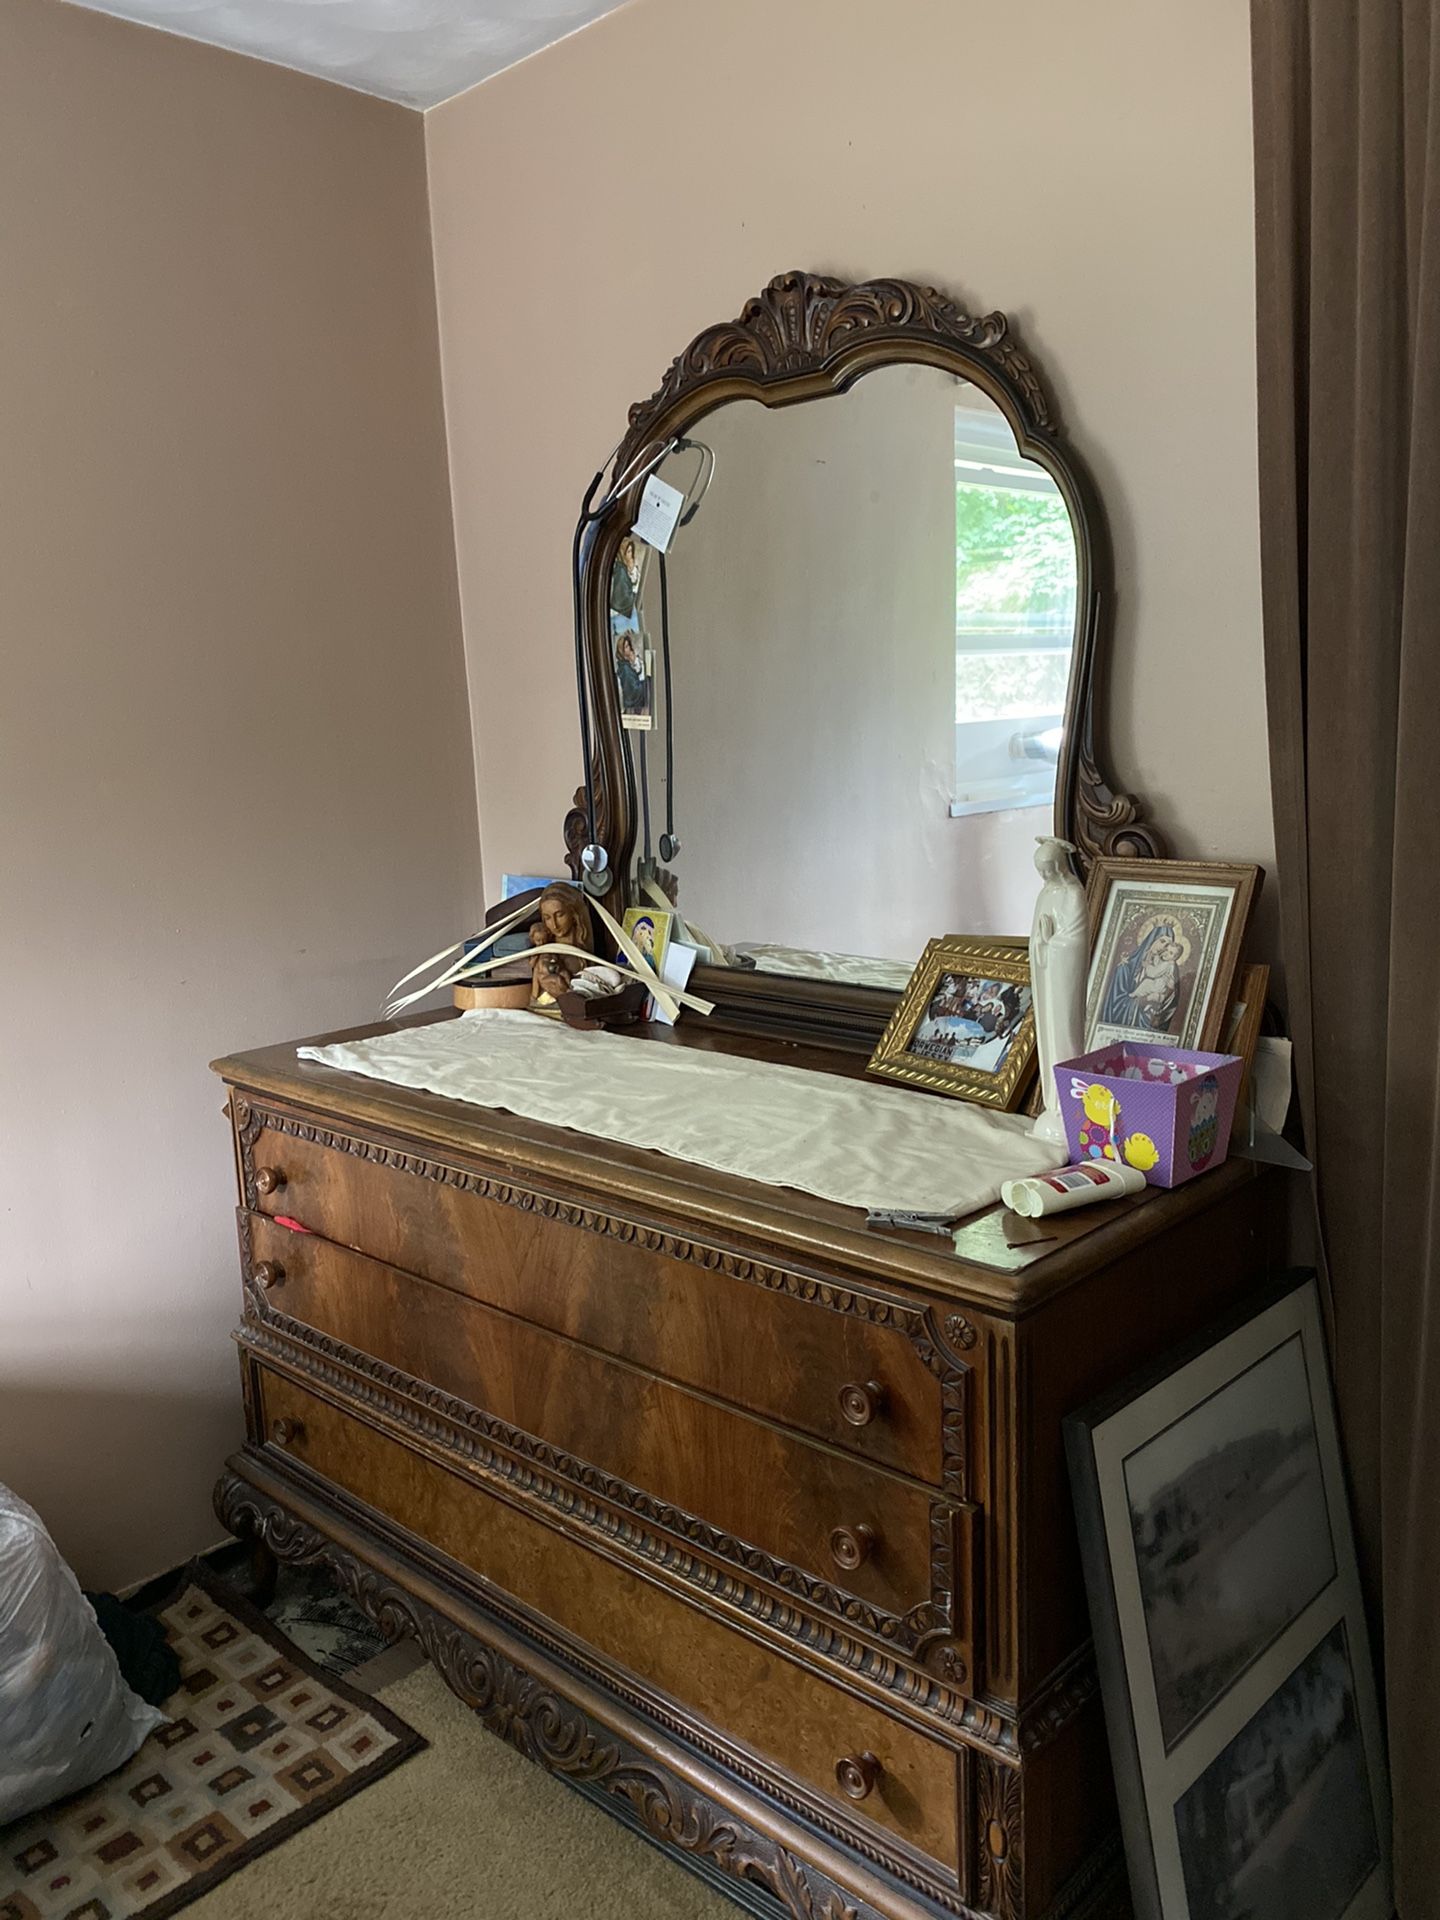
659 513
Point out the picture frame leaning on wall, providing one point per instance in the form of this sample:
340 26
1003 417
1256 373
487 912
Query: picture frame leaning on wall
1230 1634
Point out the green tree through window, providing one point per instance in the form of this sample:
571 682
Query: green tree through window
1014 583
1015 558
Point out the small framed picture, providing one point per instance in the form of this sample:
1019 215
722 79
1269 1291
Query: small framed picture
1165 939
965 1024
650 929
1229 1630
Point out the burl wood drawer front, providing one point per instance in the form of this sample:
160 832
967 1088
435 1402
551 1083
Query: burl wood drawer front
795 1720
841 1375
845 1523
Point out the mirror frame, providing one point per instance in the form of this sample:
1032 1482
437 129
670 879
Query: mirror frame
805 337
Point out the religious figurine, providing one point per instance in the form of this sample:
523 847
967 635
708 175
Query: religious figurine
565 920
1059 960
550 973
565 916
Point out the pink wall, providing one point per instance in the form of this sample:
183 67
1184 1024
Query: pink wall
1087 169
235 769
235 775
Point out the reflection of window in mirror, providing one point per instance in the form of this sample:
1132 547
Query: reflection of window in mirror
1014 616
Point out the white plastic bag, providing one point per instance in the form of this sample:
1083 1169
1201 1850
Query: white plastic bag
67 1717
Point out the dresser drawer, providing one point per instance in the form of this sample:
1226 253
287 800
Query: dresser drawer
794 1720
836 1364
849 1525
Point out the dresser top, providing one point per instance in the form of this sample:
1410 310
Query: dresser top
1001 1261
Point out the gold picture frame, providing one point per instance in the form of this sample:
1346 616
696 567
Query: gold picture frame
966 998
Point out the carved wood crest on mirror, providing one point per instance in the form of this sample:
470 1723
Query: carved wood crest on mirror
854 669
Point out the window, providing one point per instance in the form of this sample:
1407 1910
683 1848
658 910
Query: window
1014 619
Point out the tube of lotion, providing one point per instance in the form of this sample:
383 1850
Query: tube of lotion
1071 1187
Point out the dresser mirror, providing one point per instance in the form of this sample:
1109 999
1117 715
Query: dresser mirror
832 720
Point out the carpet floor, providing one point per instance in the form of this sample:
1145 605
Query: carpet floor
467 1830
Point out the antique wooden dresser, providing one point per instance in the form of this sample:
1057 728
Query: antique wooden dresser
749 1522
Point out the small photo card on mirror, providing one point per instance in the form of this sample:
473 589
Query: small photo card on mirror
1229 1630
632 658
1165 940
635 677
965 1024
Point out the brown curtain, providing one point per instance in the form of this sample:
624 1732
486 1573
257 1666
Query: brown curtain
1347 162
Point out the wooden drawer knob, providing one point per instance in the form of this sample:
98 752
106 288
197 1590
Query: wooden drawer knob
861 1401
850 1547
857 1774
268 1273
286 1432
268 1180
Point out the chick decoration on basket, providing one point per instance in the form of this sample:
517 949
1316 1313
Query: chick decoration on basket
1100 1136
1166 1111
1100 1125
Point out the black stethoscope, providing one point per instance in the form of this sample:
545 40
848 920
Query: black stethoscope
594 860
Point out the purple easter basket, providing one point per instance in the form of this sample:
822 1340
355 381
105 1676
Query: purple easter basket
1161 1109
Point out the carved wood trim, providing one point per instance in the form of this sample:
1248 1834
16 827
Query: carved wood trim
928 1632
1000 1833
805 324
1001 1413
586 1497
802 337
834 1296
553 1730
949 1648
1065 1695
936 1698
546 1727
1107 825
536 1472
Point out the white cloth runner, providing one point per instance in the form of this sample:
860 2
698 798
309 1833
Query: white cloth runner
845 1140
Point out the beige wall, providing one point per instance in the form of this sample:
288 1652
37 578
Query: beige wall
234 770
1086 168
237 787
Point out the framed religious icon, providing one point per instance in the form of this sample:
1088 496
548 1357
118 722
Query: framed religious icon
965 1024
650 929
1165 940
1230 1634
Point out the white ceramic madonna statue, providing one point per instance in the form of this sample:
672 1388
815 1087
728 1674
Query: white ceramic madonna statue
1059 961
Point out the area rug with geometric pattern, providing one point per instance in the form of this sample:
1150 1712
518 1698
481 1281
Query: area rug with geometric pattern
262 1742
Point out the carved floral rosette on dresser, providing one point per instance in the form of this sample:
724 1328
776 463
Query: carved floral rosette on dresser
747 1521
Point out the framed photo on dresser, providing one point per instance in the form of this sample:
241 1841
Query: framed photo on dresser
965 1024
1165 940
1229 1632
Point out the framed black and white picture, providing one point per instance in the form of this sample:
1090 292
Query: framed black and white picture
1229 1631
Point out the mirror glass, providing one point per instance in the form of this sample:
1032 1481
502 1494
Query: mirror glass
871 620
